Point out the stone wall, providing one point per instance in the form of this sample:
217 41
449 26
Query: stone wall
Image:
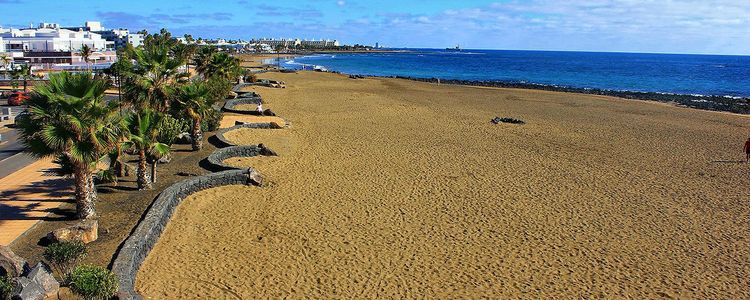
238 87
216 159
146 234
226 143
229 105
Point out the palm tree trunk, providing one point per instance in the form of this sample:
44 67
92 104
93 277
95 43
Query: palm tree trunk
153 170
24 86
119 165
144 182
85 193
197 135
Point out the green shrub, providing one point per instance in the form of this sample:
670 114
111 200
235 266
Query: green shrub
251 78
106 176
212 121
6 287
169 129
65 256
218 88
93 282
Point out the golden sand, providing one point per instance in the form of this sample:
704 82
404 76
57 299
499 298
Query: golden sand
230 119
398 189
279 140
246 107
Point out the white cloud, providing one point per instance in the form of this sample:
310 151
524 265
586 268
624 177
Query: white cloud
719 26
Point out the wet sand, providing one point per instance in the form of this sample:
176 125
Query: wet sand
399 189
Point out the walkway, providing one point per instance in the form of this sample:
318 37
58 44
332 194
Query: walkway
28 195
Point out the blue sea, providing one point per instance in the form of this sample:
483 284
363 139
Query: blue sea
661 73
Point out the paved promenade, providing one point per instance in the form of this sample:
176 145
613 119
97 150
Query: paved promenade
28 195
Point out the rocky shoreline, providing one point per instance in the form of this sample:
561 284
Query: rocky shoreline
716 103
740 105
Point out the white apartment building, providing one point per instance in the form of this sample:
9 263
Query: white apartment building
50 38
48 45
291 43
121 37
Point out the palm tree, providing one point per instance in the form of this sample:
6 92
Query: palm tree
185 53
85 53
143 137
210 63
69 117
152 80
15 74
5 61
279 47
203 58
25 73
194 100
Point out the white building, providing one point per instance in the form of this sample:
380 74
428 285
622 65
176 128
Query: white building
49 45
291 43
119 37
50 39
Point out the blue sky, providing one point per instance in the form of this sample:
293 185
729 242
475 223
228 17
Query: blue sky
670 26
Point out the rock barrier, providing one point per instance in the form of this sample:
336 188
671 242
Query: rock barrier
217 158
149 229
230 105
227 143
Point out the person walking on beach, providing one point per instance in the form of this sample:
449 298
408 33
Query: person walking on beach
747 150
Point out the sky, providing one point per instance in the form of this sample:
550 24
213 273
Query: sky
653 26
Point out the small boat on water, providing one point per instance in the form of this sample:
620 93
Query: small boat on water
457 48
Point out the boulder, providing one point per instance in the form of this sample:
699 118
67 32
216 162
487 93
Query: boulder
27 289
85 231
42 275
268 112
275 125
12 264
184 138
254 177
266 151
166 158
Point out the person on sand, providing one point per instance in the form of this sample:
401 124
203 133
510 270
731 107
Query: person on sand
747 150
259 109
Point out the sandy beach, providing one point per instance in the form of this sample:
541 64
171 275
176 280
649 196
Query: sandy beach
388 188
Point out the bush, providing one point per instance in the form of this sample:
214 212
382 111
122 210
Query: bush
212 121
252 78
105 176
218 88
93 282
6 287
65 256
170 128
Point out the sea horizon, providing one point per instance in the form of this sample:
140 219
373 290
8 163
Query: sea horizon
671 74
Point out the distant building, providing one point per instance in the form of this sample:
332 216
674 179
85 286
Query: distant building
50 39
291 43
48 45
120 37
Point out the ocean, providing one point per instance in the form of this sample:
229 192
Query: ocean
707 75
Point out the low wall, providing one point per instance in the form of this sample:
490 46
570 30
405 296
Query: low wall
216 159
146 234
229 105
226 143
239 86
